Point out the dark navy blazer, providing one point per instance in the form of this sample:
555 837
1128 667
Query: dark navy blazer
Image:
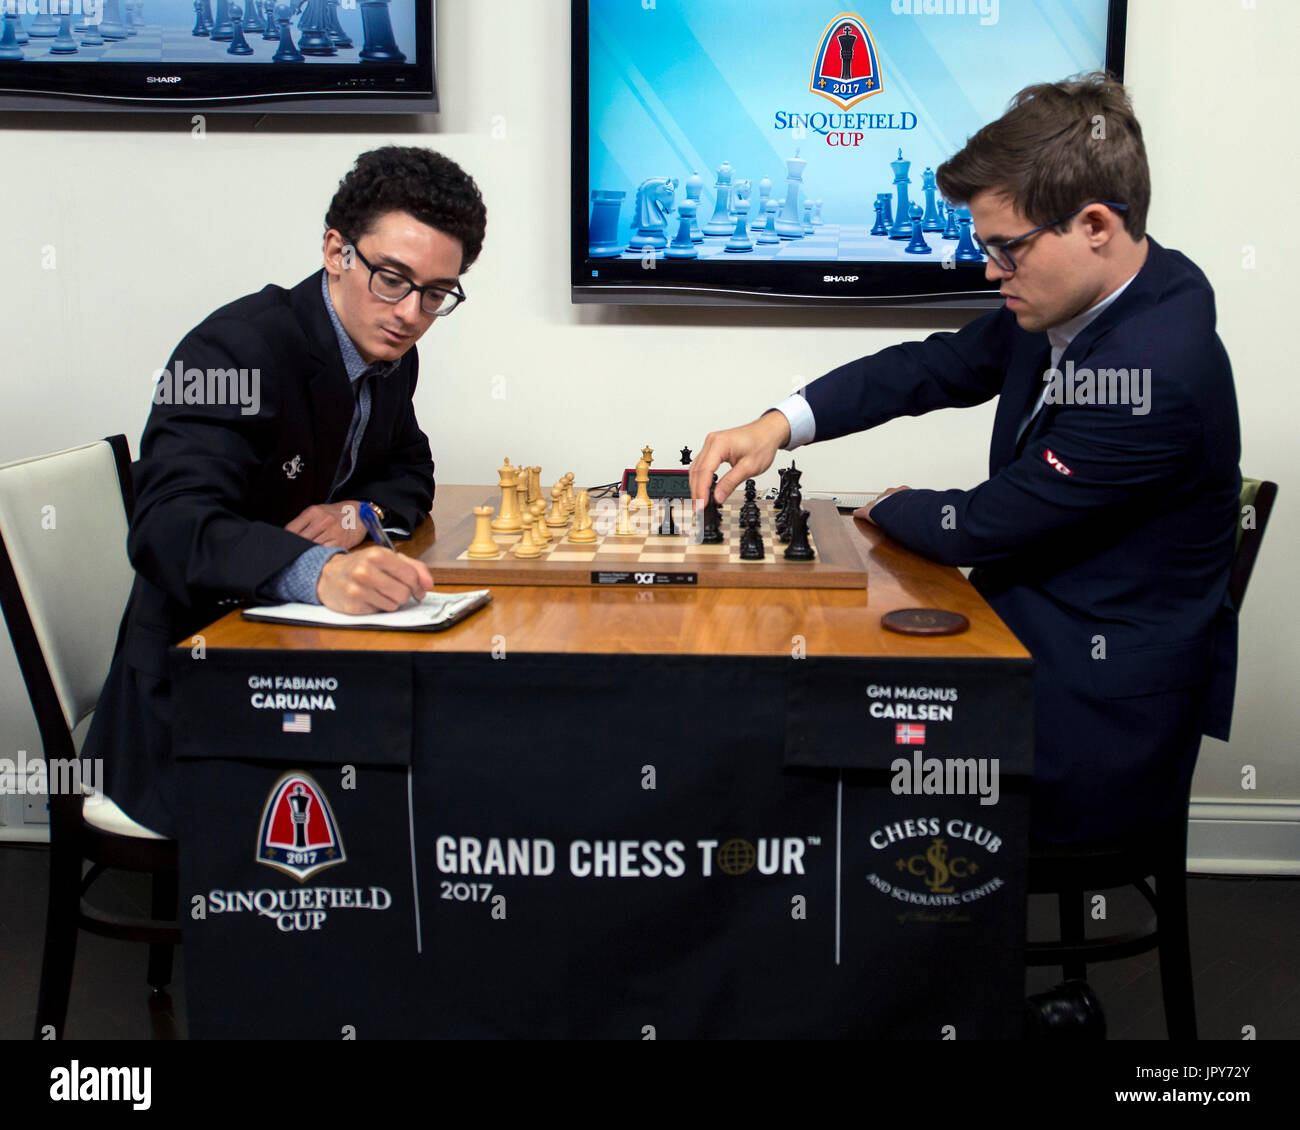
1103 537
214 491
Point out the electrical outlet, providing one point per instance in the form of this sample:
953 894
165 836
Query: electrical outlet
36 809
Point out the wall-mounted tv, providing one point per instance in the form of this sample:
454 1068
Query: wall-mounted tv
255 56
803 137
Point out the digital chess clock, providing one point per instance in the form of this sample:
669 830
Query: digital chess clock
662 484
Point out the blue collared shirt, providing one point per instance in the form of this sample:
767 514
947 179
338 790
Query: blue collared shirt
297 581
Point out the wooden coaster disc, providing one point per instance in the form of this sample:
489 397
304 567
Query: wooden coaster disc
925 622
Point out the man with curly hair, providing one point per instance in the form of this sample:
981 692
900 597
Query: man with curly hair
258 499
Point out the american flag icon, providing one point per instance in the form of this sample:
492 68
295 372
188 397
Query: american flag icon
904 734
300 724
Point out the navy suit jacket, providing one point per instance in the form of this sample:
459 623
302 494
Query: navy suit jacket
214 490
1103 537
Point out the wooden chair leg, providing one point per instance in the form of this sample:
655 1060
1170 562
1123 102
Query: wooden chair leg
62 915
1071 915
163 909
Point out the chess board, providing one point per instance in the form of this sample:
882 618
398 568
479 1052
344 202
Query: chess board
844 242
652 559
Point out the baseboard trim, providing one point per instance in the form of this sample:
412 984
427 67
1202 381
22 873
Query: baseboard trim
1244 837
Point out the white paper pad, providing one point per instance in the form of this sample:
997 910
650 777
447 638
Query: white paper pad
436 610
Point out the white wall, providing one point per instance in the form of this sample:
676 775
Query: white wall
153 227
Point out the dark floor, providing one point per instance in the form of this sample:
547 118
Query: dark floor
1245 957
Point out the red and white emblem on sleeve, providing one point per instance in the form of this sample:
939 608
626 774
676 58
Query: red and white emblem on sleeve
1055 463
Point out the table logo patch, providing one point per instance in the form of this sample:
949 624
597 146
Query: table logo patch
298 833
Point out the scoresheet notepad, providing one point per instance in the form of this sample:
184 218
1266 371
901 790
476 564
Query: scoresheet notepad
436 612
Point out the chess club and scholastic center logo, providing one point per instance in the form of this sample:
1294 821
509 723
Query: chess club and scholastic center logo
847 68
298 834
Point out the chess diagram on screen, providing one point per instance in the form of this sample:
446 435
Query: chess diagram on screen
781 130
194 31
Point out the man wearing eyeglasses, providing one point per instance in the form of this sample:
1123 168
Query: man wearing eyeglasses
1104 534
263 505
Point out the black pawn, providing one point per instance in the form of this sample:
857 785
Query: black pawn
315 40
272 28
380 44
712 534
751 543
799 549
238 44
64 44
200 28
286 52
667 528
9 48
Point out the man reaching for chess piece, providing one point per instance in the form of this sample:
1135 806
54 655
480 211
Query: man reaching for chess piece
1104 536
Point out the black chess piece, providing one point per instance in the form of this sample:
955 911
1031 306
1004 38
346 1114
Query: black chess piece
286 52
225 26
686 456
712 534
208 22
253 21
783 494
380 44
314 39
799 548
751 543
238 44
272 28
342 40
200 28
786 517
63 43
667 528
9 48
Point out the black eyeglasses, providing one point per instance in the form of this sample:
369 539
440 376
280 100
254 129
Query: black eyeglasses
1002 257
393 287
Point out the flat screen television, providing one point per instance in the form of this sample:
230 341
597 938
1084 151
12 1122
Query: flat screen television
352 56
804 134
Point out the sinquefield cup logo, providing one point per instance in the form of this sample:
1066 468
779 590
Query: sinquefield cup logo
298 834
847 69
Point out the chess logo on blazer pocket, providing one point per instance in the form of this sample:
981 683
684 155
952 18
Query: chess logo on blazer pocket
847 68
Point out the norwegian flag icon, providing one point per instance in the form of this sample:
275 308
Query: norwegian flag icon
907 734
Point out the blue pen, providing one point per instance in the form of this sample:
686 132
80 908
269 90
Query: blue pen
370 520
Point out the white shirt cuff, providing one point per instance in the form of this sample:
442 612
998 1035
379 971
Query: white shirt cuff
803 428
